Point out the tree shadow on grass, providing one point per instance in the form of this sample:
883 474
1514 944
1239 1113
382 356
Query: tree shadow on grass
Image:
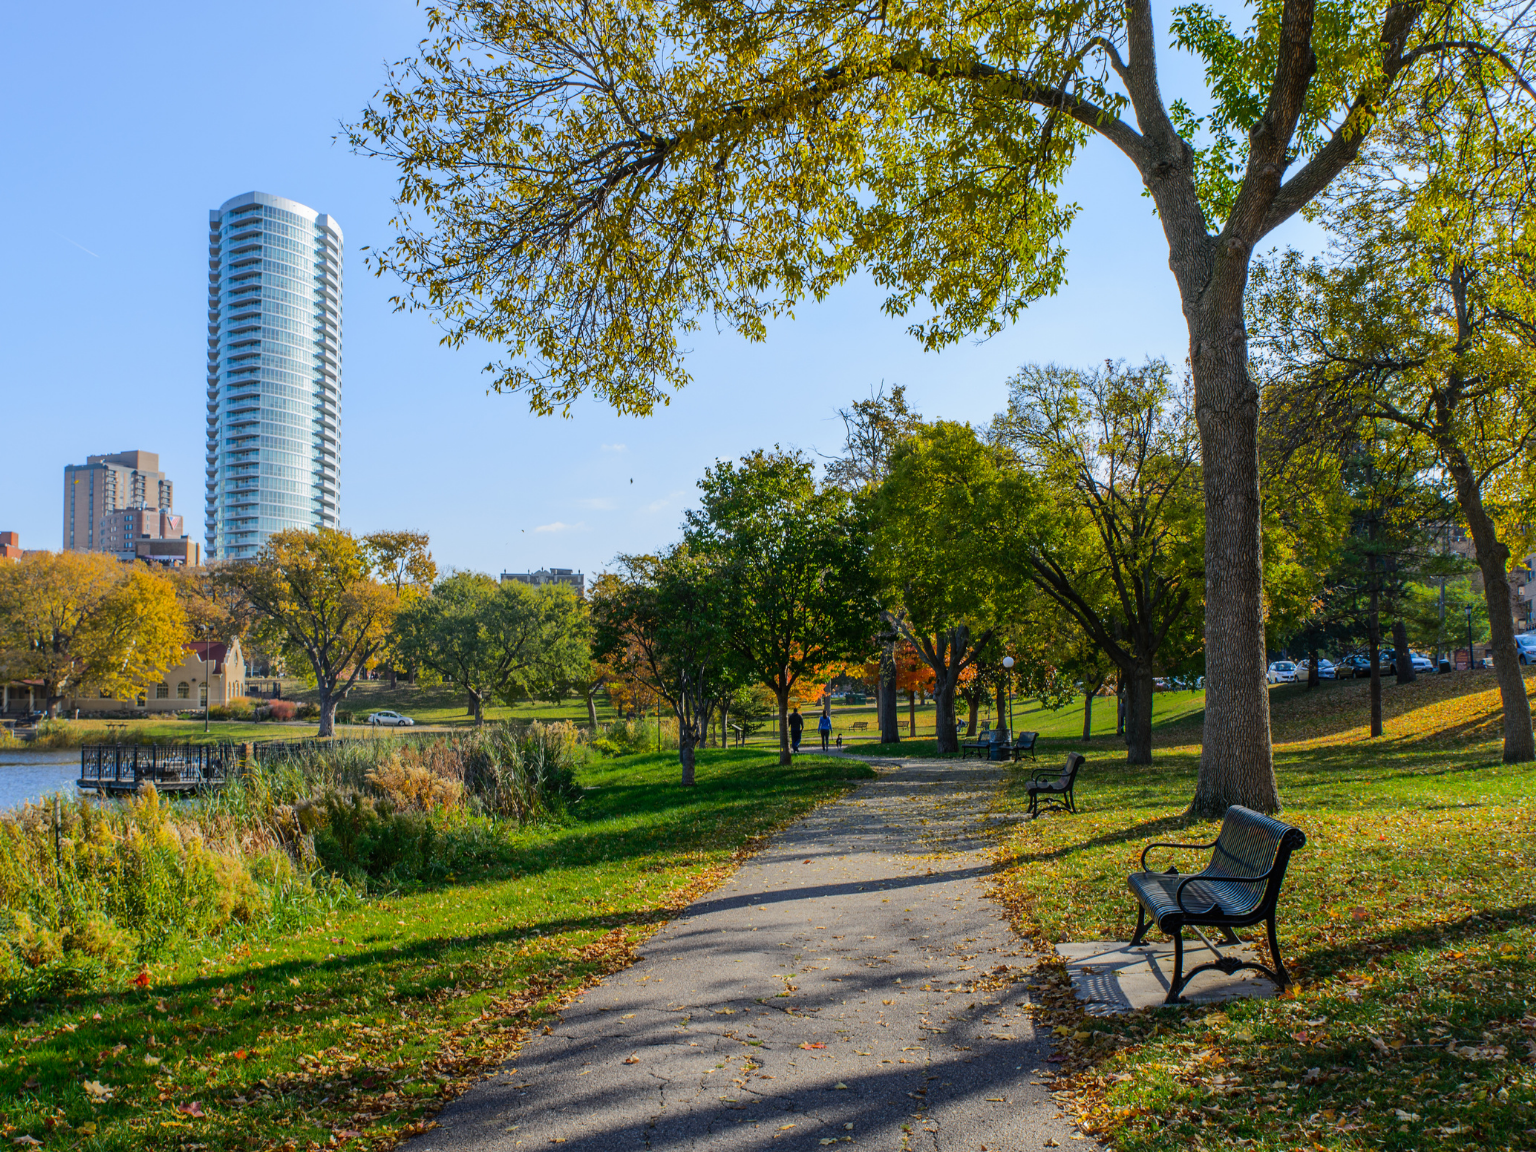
1320 963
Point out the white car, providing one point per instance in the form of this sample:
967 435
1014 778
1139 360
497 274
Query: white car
1525 645
1282 672
1421 662
390 718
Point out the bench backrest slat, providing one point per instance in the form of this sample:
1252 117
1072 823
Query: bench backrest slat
1249 845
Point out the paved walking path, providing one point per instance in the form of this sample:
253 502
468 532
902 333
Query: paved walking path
850 984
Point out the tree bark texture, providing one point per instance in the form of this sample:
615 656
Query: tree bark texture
328 701
970 724
1138 715
1373 642
890 718
782 696
1313 678
1493 562
592 707
1403 658
1236 759
912 713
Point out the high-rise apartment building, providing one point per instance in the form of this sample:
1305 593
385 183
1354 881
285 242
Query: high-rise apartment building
98 491
274 372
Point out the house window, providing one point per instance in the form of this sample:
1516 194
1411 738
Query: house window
162 691
202 696
182 691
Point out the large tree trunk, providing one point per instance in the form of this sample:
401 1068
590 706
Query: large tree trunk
685 758
912 713
1092 691
782 696
1236 759
890 718
1404 658
328 701
1313 679
944 718
1138 714
1493 562
970 724
592 707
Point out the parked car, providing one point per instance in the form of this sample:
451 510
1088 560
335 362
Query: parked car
390 719
1421 662
1282 672
1525 645
1326 669
1355 666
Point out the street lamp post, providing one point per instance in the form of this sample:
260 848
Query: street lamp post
1008 687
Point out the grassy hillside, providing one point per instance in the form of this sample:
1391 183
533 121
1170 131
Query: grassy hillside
1408 920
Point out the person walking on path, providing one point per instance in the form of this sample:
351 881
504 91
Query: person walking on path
824 726
796 726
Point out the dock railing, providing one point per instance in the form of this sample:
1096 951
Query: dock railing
170 767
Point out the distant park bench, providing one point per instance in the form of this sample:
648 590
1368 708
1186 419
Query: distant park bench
859 726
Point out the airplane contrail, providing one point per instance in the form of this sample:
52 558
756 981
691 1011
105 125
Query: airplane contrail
78 245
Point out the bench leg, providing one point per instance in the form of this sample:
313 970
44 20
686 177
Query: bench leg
1228 936
1176 984
1282 978
1142 925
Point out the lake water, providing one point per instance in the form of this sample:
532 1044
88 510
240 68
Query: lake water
28 776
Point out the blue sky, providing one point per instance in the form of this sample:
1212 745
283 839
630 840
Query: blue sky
120 142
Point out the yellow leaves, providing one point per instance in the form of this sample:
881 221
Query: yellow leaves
97 1092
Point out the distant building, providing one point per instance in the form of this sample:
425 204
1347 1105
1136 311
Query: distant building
573 580
210 673
96 491
274 373
10 546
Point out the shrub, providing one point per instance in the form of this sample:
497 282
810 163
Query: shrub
345 716
282 711
626 737
307 712
238 708
87 887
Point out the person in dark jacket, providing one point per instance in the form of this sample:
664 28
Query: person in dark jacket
796 726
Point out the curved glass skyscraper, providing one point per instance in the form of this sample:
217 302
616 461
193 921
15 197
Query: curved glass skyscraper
274 372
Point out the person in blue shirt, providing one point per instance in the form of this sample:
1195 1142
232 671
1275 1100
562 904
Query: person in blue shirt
824 726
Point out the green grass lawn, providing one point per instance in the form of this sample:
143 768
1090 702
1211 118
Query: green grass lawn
354 1030
1408 920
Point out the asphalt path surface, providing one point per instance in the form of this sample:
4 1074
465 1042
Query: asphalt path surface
852 984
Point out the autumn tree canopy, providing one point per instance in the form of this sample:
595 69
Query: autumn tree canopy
82 620
584 185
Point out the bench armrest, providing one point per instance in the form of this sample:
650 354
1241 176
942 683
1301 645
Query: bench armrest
1149 848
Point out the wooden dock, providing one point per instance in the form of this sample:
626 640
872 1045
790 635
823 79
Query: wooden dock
116 769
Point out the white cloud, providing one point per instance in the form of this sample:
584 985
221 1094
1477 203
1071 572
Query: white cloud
561 526
614 448
667 501
597 503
